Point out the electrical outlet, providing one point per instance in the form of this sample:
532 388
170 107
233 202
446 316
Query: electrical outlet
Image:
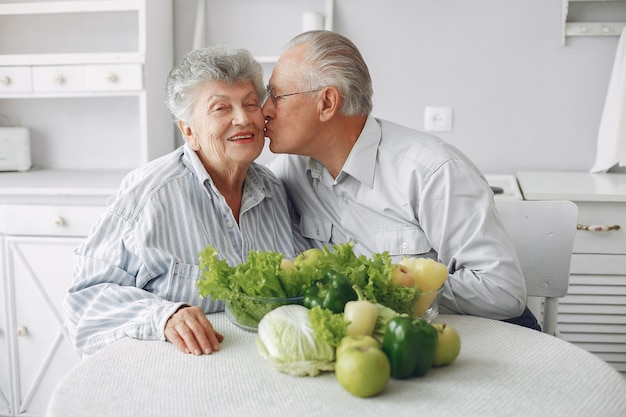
438 119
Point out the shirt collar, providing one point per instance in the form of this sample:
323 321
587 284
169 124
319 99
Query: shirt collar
254 187
362 158
192 161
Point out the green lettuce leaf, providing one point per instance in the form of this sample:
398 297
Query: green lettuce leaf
328 326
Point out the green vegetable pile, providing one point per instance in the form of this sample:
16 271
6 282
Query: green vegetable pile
262 276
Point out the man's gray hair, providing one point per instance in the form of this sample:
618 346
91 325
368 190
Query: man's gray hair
332 59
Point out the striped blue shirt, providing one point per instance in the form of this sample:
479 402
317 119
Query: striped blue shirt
139 263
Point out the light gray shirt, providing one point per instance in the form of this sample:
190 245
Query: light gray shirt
139 263
411 194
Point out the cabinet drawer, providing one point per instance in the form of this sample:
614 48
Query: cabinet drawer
33 220
113 77
15 80
60 78
604 213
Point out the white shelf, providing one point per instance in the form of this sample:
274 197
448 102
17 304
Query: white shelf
84 6
594 28
120 124
591 28
71 59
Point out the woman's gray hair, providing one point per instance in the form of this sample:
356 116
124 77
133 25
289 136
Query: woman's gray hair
216 63
332 59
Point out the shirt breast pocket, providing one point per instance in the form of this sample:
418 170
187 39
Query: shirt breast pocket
405 241
184 288
315 228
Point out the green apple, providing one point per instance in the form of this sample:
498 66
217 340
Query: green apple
402 276
448 345
356 340
363 371
309 257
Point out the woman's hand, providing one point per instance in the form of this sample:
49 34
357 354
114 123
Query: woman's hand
191 332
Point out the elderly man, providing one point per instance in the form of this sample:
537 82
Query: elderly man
385 187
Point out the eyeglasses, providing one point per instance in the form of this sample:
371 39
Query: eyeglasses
275 98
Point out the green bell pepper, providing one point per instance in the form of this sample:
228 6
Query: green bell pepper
410 346
331 292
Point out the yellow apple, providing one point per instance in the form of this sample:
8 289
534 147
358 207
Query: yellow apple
286 264
429 275
402 276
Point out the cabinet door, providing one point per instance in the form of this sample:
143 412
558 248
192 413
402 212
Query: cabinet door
5 370
41 272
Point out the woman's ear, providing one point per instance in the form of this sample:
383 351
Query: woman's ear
329 103
188 135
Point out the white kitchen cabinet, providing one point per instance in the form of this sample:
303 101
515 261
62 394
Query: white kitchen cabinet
88 79
44 216
15 80
593 314
6 391
40 271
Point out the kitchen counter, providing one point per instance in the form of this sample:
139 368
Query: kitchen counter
508 185
47 186
576 186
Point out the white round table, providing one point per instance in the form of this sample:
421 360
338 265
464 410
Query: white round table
503 370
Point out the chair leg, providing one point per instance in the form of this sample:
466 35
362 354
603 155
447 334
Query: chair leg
550 315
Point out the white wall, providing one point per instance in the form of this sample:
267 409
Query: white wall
521 99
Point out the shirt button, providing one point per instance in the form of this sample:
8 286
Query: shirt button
229 224
405 245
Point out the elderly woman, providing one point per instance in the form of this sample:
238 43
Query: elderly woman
135 275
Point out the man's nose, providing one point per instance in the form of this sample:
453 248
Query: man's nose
267 109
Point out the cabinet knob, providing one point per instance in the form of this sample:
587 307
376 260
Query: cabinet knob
598 227
5 80
111 78
22 331
58 79
59 221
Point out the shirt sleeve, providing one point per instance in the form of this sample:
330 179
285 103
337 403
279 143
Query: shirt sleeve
458 215
107 300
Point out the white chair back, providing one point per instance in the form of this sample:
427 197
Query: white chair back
543 235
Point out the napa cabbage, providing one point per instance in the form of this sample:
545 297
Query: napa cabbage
299 341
